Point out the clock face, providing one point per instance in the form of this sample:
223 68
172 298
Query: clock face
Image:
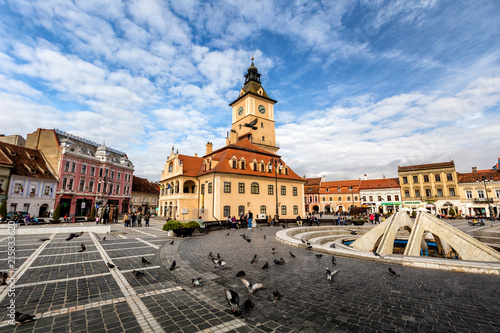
262 109
240 111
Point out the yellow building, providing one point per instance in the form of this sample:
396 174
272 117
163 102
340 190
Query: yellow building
480 193
433 187
245 175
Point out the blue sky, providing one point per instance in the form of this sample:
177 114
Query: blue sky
362 86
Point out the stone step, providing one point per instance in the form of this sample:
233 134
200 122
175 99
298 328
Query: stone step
486 239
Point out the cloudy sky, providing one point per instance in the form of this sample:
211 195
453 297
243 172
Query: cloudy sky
362 86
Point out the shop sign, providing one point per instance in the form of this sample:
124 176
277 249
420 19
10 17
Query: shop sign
391 203
412 202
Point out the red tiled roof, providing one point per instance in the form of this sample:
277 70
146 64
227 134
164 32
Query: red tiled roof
427 166
26 161
191 165
143 185
471 177
342 184
245 149
379 183
312 181
4 159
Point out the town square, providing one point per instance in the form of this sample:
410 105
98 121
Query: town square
201 166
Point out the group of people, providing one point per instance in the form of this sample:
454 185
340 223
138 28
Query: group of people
245 220
135 220
310 220
374 218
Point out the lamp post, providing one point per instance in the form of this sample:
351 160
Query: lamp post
484 179
275 162
351 189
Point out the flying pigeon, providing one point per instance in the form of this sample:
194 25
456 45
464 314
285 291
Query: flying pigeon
233 299
111 265
137 273
276 294
353 232
248 305
172 267
218 262
240 274
252 287
329 274
266 265
319 256
291 255
334 261
254 260
145 261
23 318
83 248
393 273
197 282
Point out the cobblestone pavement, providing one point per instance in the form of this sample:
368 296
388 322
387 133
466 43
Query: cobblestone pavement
71 291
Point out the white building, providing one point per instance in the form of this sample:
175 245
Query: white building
382 196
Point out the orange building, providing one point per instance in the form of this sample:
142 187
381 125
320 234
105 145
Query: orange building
339 196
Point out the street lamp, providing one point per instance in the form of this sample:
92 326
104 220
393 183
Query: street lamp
275 162
484 179
351 189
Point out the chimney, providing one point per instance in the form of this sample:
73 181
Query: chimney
383 176
365 176
233 137
474 169
323 179
195 154
209 148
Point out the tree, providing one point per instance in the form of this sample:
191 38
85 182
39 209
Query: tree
92 214
3 210
451 211
57 213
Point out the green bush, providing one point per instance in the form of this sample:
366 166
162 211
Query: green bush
414 214
3 210
57 213
92 214
191 224
172 225
451 212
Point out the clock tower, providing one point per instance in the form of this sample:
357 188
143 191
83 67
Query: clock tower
253 113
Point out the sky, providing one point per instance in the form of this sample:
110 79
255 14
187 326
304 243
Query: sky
362 86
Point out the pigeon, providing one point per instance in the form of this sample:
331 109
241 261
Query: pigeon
103 239
172 242
252 287
71 236
248 240
393 273
145 261
353 232
227 234
284 226
272 249
172 267
4 276
111 265
329 274
197 282
282 261
308 243
218 256
83 248
44 239
137 273
248 305
319 256
334 261
233 299
276 294
266 265
243 236
210 254
333 246
254 260
260 229
375 253
309 247
264 236
291 255
276 262
303 241
240 274
23 318
218 262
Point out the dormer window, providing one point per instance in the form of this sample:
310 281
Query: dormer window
243 165
235 164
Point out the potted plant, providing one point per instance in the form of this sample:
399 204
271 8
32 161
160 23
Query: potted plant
57 215
181 229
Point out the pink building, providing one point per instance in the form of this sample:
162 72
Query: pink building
89 174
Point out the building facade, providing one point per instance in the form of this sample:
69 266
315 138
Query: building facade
90 175
480 193
311 194
433 187
339 196
245 175
382 196
32 183
144 197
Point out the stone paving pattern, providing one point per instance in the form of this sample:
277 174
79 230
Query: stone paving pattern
77 292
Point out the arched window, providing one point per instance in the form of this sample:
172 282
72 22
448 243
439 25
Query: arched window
263 209
170 167
227 211
241 210
255 188
283 210
295 210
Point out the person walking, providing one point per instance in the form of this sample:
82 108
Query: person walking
146 220
372 218
139 219
377 218
249 219
125 220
